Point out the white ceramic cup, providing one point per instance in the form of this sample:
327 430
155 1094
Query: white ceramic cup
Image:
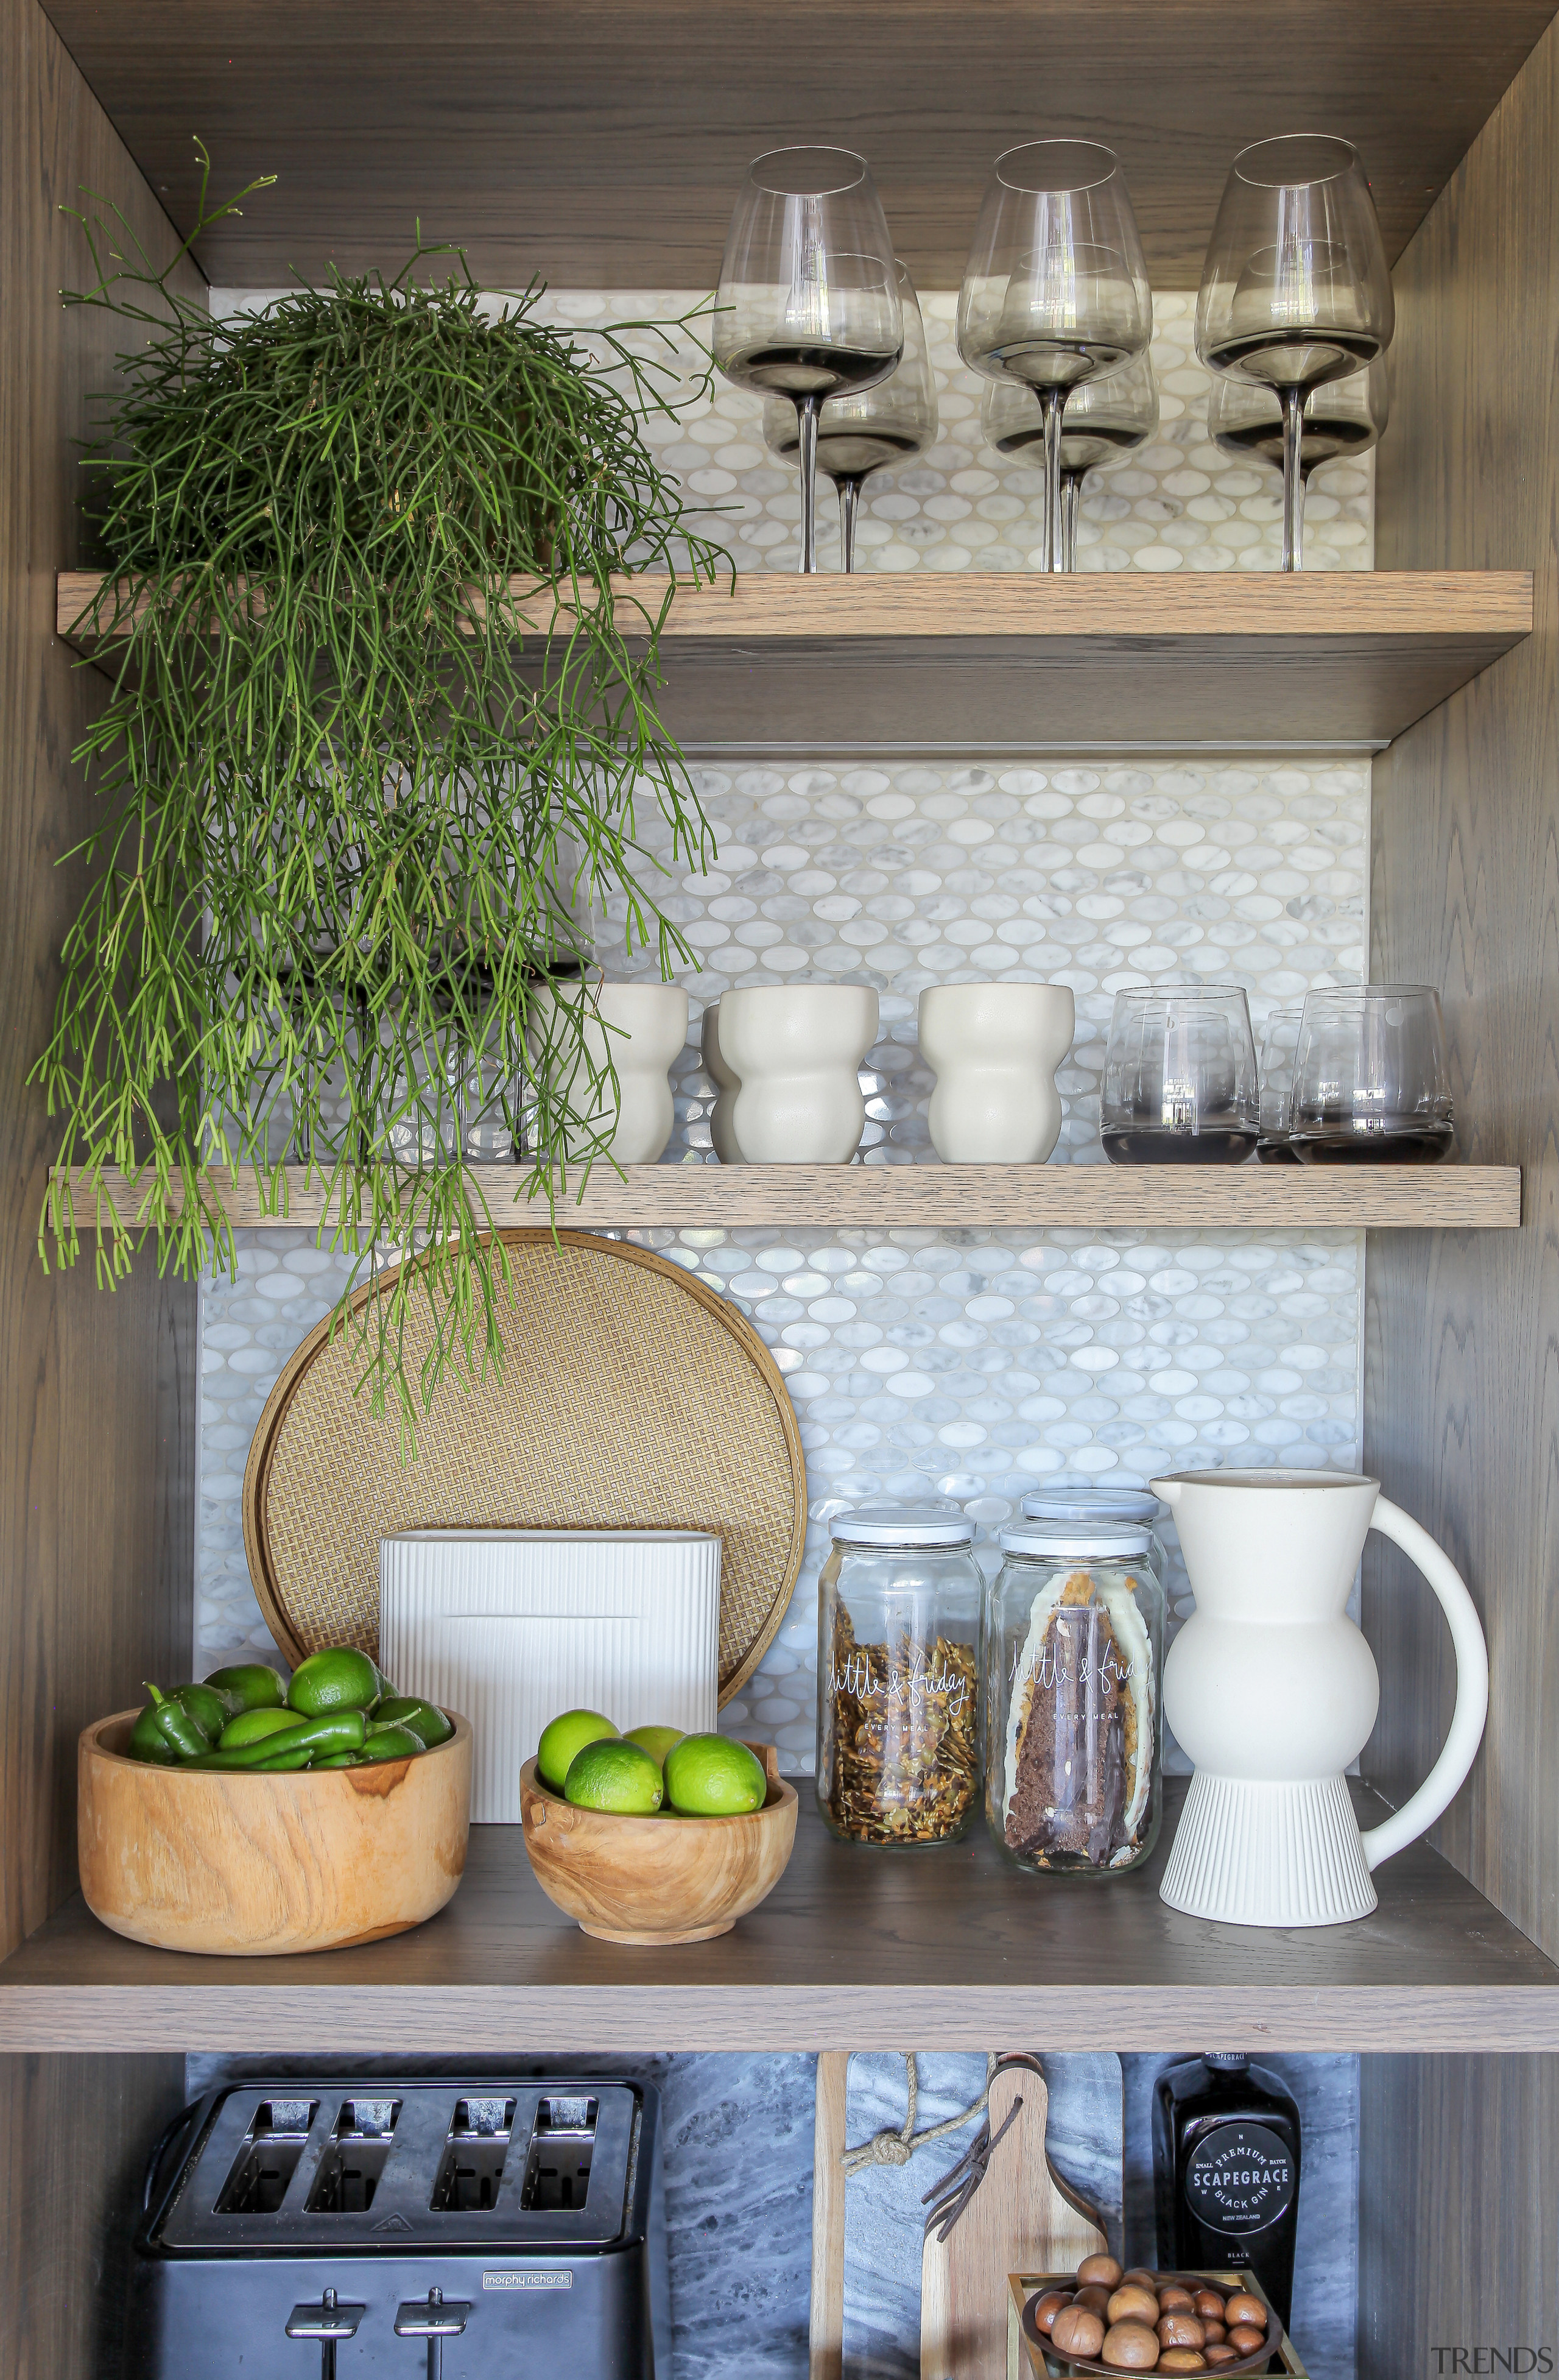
722 1132
651 1026
993 1049
796 1049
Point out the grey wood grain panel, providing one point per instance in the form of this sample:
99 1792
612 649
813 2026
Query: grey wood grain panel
1462 1348
1458 2205
601 144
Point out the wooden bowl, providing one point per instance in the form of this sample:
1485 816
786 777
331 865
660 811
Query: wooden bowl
660 1880
246 1866
1044 2357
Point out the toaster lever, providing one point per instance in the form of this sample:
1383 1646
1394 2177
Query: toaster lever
327 2321
434 2318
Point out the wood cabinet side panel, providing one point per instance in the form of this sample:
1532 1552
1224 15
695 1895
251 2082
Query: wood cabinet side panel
1462 1332
96 1418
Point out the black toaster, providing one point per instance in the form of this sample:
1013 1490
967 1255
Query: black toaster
314 2230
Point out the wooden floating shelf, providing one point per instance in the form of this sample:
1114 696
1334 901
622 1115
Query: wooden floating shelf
1016 658
949 1951
865 1198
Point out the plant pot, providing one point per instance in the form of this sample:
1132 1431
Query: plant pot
648 1026
993 1049
797 1050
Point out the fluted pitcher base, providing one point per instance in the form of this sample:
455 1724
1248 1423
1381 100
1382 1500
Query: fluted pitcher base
1268 1854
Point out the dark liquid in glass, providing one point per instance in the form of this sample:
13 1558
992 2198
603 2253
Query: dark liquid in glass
1150 1144
1322 438
851 453
1082 450
1410 1143
1300 355
782 367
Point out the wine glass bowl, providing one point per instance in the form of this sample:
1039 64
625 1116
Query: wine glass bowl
1179 1080
1371 1082
889 422
808 302
1055 290
1295 290
1104 420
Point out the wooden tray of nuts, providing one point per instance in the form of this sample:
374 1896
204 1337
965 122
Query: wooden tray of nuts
1103 2320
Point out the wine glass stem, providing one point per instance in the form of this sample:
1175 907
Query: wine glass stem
807 410
848 490
1293 477
1071 496
1051 404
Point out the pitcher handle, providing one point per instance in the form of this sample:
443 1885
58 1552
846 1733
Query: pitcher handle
1444 1779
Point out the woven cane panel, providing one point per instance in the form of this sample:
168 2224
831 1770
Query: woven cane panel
630 1398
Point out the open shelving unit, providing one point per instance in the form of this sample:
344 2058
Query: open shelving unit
600 147
945 1949
1339 660
885 1197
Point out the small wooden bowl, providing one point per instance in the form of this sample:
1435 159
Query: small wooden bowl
660 1880
252 1866
1043 2356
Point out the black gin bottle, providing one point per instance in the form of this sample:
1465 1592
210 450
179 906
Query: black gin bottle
1226 2169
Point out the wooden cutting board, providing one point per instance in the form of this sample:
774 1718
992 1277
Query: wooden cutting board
1019 2219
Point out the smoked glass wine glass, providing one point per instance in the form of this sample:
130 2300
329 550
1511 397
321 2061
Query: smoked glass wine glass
1340 422
858 435
1103 422
808 303
1295 290
1055 290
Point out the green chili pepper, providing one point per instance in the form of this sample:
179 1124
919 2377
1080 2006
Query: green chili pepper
424 1718
148 1741
254 1726
180 1727
337 1731
338 1760
208 1707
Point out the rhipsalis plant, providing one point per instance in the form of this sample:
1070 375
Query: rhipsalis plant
377 742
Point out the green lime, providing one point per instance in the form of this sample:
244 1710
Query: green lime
562 1738
655 1740
251 1726
249 1685
713 1777
615 1775
211 1708
423 1718
339 1679
390 1743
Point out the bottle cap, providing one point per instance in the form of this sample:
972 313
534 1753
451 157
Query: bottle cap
889 1520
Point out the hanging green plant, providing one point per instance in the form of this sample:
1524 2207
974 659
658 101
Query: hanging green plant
378 745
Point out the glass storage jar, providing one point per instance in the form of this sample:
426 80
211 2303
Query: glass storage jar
1074 1643
899 1627
1137 1507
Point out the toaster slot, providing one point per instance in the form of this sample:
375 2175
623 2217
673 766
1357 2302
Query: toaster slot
561 2143
472 2165
355 2156
268 2159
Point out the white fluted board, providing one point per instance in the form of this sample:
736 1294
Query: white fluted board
512 1627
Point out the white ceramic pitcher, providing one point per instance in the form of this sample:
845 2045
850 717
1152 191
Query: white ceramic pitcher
1271 1691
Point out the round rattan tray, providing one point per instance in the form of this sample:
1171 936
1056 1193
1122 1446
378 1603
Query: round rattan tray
630 1397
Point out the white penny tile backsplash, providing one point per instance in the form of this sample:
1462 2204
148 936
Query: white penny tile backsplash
979 1362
